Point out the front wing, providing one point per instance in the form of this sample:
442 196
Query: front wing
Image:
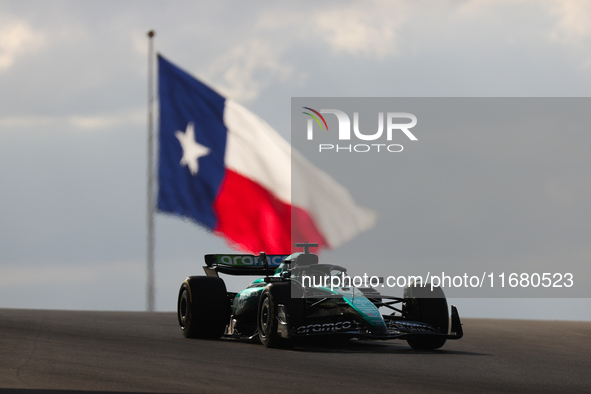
398 328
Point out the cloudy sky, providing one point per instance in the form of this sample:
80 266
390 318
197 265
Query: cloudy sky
73 115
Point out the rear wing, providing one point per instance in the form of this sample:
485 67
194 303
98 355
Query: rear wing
242 264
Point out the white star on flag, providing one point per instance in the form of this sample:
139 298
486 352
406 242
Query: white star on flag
192 150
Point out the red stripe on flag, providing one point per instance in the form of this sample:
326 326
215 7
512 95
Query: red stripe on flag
251 219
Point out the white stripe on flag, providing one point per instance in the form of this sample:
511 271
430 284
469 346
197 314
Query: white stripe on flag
256 151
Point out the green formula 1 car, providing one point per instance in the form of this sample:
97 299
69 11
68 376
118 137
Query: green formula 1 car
283 305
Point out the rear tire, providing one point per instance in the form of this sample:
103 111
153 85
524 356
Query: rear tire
427 306
203 307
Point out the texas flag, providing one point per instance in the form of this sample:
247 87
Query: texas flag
226 169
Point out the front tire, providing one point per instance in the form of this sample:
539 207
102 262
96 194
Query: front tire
267 321
203 307
427 306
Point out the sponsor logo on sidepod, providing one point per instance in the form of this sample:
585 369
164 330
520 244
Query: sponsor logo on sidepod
325 327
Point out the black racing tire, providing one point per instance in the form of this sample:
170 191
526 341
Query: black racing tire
203 307
427 306
267 323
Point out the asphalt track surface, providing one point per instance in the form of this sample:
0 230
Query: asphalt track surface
44 350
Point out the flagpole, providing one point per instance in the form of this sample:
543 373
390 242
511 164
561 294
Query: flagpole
150 253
